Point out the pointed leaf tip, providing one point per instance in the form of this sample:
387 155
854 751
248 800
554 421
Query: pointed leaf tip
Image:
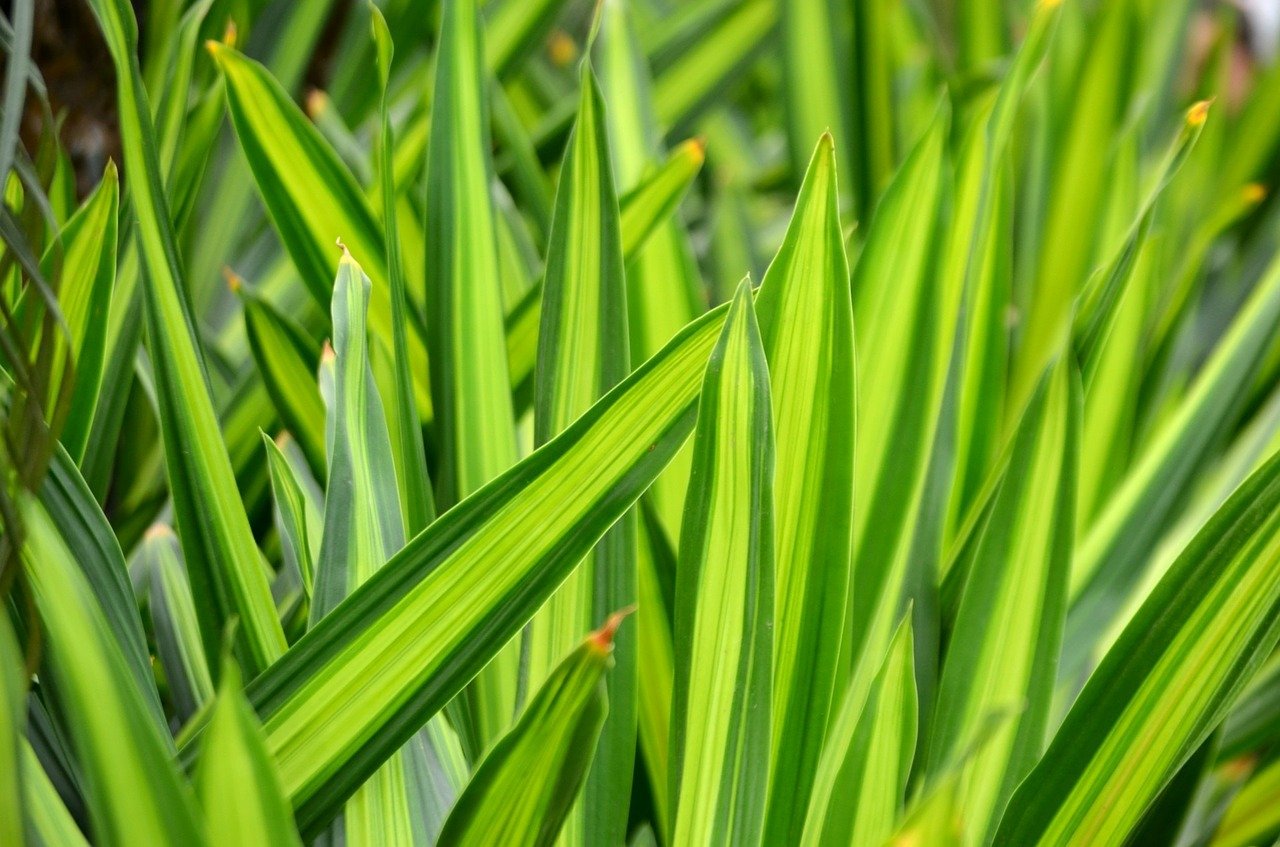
1254 193
1198 113
602 638
234 281
317 102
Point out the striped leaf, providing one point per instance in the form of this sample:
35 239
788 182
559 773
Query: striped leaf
582 353
173 621
46 817
905 317
469 378
811 363
1165 684
411 461
286 359
1005 640
14 779
860 781
299 517
408 639
309 194
362 530
219 548
237 782
543 759
1103 569
133 789
87 274
720 733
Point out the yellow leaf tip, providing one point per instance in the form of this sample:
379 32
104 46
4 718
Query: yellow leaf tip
698 147
561 48
1049 5
158 531
326 353
602 638
346 254
234 281
214 46
317 102
1255 193
230 33
1198 113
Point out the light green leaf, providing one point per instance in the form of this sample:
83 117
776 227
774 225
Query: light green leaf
286 360
46 817
173 621
299 518
88 272
133 789
720 733
582 353
237 782
811 365
1004 643
405 642
410 457
860 782
221 555
1165 684
542 761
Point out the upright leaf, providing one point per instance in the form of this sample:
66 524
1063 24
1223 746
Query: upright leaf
392 654
472 400
1003 646
362 530
237 782
860 782
219 547
811 365
542 760
582 353
174 623
410 458
720 734
88 272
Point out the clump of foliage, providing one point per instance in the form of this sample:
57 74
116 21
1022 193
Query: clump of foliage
692 423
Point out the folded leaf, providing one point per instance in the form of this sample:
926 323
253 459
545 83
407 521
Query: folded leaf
542 760
860 781
582 353
720 734
811 363
220 551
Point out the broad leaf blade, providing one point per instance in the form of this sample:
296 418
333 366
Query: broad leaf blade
543 759
582 353
811 363
1165 684
720 734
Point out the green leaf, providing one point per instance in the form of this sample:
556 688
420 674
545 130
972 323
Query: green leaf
173 620
299 517
14 780
1253 816
905 314
1005 640
362 530
469 377
1104 569
410 457
237 782
87 534
814 95
88 272
219 547
811 363
407 640
1165 684
310 195
720 733
46 817
582 353
860 782
286 360
514 28
543 759
134 792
